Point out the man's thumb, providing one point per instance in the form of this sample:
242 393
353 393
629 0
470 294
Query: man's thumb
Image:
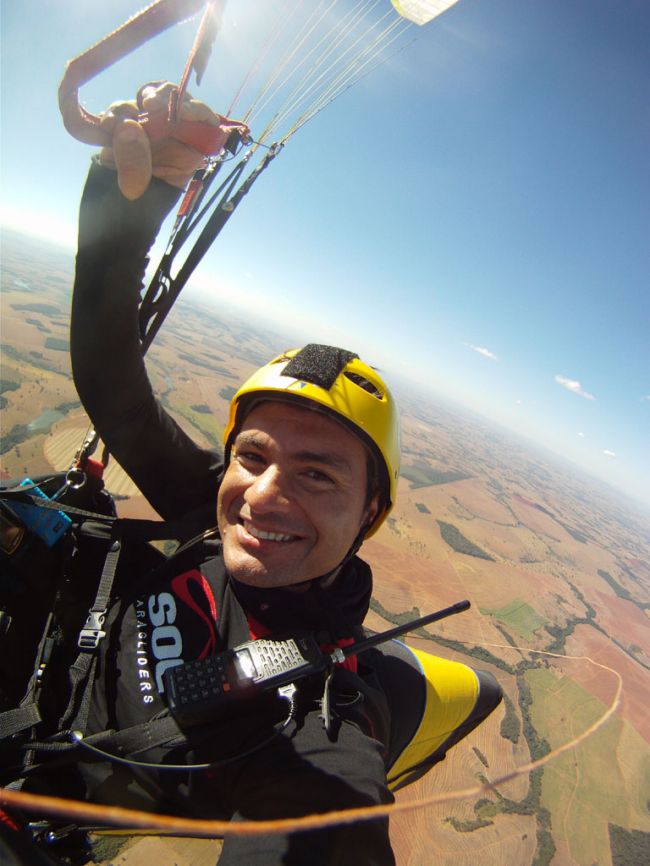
132 154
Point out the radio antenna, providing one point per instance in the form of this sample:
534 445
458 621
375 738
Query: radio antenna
341 653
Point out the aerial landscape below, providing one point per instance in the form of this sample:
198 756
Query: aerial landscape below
556 565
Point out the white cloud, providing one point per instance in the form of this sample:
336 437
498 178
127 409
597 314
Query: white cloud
581 435
574 386
646 397
482 351
609 453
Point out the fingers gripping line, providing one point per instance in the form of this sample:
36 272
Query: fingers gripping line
138 145
164 129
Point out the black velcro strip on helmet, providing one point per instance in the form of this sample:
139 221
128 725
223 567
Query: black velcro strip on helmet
320 365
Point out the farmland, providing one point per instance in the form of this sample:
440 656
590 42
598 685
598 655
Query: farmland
564 568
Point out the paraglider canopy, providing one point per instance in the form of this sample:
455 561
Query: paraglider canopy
422 11
298 60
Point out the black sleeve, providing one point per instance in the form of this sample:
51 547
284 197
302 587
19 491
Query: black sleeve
109 372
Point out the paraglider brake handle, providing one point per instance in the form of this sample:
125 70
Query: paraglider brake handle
161 14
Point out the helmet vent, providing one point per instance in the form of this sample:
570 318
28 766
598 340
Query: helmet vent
319 365
365 384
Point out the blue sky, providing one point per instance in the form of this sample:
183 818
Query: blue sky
474 214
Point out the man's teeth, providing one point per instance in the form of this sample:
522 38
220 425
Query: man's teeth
268 536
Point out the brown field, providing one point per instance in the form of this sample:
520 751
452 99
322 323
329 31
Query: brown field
634 703
547 528
167 851
637 623
424 837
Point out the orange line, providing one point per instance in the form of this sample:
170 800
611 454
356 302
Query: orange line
115 815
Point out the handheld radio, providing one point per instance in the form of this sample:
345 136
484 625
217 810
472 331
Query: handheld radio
201 690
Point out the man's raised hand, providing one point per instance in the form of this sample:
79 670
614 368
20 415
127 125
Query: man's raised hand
135 157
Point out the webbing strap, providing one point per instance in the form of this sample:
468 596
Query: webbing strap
92 632
165 289
17 720
139 738
126 743
82 678
131 529
22 494
27 714
113 532
108 576
82 671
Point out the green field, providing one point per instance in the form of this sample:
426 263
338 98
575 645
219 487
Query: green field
458 542
519 616
420 474
590 786
207 424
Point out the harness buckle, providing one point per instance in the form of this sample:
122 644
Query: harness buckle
92 632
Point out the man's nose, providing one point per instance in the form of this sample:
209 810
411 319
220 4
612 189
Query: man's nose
269 491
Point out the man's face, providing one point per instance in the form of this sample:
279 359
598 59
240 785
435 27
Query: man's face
293 497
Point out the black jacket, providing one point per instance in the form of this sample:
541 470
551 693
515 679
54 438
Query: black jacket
190 607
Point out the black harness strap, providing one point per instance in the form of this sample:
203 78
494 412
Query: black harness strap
92 632
27 714
114 532
14 721
122 744
139 738
82 672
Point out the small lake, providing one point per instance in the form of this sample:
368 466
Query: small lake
45 420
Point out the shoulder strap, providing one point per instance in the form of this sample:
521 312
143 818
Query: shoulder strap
17 720
116 532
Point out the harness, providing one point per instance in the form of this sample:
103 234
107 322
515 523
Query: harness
59 564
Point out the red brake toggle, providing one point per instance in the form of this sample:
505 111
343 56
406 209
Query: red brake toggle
94 468
207 139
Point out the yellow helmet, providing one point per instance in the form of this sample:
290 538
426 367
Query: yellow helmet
341 385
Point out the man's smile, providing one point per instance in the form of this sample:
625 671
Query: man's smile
266 535
292 499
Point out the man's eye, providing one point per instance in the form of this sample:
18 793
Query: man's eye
317 475
249 457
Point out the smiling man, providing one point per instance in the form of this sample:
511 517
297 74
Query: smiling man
293 493
309 470
313 442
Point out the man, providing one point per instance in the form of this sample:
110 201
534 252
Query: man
310 470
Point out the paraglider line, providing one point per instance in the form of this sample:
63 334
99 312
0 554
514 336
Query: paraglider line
172 825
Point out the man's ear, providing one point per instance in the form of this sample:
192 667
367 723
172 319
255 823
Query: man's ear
371 511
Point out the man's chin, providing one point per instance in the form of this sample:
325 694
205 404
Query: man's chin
251 571
263 578
296 583
256 581
254 574
260 581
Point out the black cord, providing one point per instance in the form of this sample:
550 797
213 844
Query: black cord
287 693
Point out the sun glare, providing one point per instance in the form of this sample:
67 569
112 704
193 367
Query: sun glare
39 225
